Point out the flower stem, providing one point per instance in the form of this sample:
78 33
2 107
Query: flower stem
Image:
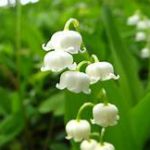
94 134
95 58
81 64
103 96
102 136
73 21
85 105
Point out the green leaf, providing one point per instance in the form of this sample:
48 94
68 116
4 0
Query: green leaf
141 121
123 60
5 100
53 104
10 127
55 146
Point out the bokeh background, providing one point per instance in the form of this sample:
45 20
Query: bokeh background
32 111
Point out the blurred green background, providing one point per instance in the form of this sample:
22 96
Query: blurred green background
32 110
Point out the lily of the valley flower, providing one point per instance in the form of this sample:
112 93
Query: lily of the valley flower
143 24
133 20
145 53
105 146
78 130
57 61
105 115
100 71
140 36
67 40
88 145
74 81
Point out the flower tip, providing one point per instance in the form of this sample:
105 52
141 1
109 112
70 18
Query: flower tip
43 68
116 77
82 50
87 91
73 66
44 47
92 121
68 137
58 86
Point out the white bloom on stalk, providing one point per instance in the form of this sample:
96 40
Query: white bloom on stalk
145 53
133 20
67 40
100 71
143 24
105 146
88 145
57 61
74 81
78 130
105 115
140 36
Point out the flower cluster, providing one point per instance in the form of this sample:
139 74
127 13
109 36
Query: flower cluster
61 48
142 24
59 58
104 115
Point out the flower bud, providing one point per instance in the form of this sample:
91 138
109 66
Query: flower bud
100 71
145 53
133 20
78 130
74 81
105 146
57 61
105 115
69 41
88 145
140 36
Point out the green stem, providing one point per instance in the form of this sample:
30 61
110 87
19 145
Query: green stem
95 58
81 64
73 21
18 47
103 96
102 136
85 105
94 134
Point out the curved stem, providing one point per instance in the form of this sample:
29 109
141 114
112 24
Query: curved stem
73 21
81 64
94 134
85 105
103 96
95 58
102 136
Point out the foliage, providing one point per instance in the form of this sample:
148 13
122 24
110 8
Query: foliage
33 111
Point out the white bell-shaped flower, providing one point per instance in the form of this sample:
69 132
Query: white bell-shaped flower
133 20
143 24
105 115
57 61
100 71
78 130
105 146
88 145
74 81
145 53
140 36
67 40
